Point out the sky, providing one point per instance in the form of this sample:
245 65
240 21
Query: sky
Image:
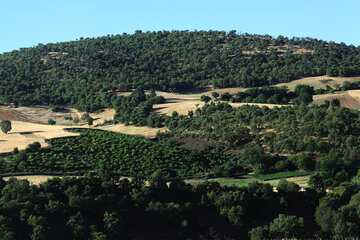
26 23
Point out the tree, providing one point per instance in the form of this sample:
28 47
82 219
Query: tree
205 98
33 147
51 121
335 102
113 223
286 227
5 126
90 121
225 96
215 95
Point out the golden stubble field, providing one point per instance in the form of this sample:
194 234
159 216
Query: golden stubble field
24 133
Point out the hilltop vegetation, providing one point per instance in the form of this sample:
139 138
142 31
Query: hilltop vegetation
86 72
213 140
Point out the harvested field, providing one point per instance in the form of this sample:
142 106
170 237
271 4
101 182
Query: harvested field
244 181
33 179
24 133
319 82
41 114
182 103
133 130
99 118
8 114
349 99
301 181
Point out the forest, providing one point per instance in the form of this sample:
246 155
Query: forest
86 73
214 140
102 207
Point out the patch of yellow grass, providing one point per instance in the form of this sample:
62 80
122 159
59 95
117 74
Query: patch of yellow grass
133 130
33 179
24 133
317 82
349 99
301 181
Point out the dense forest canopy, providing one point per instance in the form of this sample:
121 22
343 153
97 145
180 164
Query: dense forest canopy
86 71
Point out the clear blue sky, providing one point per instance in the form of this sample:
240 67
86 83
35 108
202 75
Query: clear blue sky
25 23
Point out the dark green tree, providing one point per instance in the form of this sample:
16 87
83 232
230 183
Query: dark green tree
5 126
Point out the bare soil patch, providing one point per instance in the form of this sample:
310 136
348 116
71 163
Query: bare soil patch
8 114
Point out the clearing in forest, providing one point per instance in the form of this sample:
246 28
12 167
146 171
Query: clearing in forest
24 133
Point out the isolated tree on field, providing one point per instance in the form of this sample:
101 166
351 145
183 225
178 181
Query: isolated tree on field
5 126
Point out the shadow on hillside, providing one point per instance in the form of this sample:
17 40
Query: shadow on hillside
25 133
176 100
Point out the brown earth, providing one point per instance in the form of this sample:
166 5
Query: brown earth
41 114
8 114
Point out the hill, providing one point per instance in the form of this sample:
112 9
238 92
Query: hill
86 73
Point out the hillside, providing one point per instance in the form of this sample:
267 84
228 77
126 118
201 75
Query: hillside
265 130
86 73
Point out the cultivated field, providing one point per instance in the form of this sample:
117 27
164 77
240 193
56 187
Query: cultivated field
348 99
183 102
24 133
319 82
33 179
147 132
7 114
41 114
302 181
26 127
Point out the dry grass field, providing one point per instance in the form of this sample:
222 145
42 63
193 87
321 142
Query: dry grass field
319 82
184 102
24 133
348 99
8 114
33 179
41 114
133 130
301 181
